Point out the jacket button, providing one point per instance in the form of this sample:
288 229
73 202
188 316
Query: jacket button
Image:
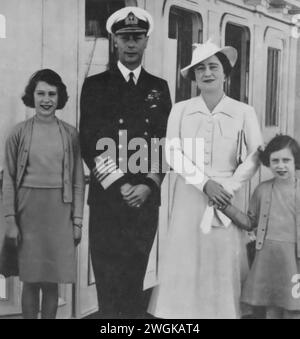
121 121
147 120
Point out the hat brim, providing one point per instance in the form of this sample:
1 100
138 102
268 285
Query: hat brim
137 30
229 51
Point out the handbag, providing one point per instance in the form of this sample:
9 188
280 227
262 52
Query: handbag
9 259
241 147
251 251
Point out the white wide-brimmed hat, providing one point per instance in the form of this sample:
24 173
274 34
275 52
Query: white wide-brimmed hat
130 20
206 50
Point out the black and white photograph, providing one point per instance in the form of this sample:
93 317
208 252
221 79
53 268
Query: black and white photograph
149 161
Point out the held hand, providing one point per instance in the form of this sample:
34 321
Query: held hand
137 196
217 195
77 233
220 207
126 189
13 233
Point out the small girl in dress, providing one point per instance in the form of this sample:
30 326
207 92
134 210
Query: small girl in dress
275 211
43 194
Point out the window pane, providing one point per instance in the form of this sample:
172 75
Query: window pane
272 109
185 27
237 85
96 15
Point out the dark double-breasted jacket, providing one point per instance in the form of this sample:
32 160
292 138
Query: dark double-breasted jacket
122 116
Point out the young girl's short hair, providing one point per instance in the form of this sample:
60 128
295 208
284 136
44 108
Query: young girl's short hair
278 143
51 78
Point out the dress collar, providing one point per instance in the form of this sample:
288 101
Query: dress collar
198 105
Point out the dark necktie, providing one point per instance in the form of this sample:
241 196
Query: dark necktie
131 83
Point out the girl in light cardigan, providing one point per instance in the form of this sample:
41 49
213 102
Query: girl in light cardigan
275 211
43 194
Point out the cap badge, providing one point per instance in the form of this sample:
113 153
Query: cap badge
131 20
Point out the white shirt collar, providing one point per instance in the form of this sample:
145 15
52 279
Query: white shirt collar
125 72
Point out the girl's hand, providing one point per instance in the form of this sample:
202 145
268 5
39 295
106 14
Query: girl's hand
12 232
216 206
220 207
77 233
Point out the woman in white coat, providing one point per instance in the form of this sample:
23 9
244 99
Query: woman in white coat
211 146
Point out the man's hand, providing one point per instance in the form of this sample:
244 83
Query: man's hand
217 194
136 196
12 233
126 189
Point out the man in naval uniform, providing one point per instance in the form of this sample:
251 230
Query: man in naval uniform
124 104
